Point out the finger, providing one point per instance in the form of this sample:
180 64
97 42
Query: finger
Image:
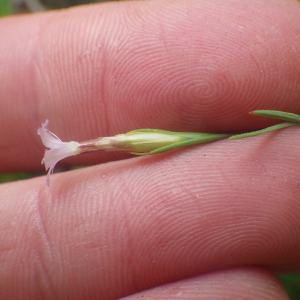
127 226
174 65
234 284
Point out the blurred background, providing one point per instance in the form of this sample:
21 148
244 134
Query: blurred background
24 6
9 7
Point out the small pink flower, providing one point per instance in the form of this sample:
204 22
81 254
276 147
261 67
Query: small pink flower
57 151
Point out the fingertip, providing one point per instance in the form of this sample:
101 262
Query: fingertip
251 283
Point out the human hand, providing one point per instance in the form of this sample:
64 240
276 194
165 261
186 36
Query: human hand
209 221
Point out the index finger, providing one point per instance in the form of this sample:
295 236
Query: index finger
174 65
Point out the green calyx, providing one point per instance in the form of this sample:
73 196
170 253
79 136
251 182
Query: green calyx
180 139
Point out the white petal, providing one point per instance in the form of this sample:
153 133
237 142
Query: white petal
56 154
57 151
49 139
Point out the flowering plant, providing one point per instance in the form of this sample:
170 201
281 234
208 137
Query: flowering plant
145 141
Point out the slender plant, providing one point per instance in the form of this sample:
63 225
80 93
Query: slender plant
147 141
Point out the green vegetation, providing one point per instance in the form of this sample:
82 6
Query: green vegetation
14 177
5 8
291 283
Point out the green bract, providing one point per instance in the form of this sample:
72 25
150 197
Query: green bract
153 141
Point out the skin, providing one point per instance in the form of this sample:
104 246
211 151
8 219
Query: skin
207 222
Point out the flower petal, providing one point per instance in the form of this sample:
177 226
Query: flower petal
57 151
54 155
49 139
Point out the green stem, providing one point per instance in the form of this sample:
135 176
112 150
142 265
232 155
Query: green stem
265 130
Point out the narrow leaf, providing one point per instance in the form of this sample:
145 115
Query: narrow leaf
278 115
